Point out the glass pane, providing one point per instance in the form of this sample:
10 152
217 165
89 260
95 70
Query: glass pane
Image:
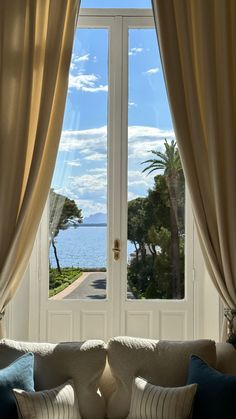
156 191
109 4
78 197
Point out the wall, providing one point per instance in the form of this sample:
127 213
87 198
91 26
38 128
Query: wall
17 313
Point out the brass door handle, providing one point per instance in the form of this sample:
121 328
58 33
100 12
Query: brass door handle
116 249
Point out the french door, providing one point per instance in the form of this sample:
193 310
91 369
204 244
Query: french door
122 307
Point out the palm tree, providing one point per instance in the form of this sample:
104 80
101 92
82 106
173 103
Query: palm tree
170 163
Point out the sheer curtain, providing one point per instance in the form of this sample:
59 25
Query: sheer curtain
36 41
197 41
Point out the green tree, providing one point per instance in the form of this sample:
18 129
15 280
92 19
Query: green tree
137 225
169 162
62 213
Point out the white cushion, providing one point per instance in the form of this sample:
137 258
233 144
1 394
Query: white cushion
83 362
162 363
152 402
59 402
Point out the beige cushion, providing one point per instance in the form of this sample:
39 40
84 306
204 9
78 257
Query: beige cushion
60 402
152 402
161 363
83 362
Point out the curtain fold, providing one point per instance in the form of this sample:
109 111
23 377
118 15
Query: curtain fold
197 42
36 40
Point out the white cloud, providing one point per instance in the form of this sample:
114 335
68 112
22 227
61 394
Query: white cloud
135 51
132 195
86 83
99 169
152 71
79 59
140 182
90 206
74 163
92 143
137 178
142 139
87 142
96 157
66 191
132 105
89 188
100 88
89 183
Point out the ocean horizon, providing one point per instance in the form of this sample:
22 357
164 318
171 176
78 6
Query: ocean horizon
84 247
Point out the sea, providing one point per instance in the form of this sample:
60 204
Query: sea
83 246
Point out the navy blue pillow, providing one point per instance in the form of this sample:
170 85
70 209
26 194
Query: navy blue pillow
19 374
216 392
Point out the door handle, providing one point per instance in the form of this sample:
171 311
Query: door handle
116 249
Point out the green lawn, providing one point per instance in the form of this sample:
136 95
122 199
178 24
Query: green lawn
58 282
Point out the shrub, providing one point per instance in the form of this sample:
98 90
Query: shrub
58 283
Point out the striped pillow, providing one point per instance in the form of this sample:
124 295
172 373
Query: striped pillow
154 402
60 402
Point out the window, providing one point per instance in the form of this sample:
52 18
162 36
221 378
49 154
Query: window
78 197
156 198
111 222
82 200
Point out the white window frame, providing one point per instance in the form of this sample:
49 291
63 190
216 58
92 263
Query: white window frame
194 266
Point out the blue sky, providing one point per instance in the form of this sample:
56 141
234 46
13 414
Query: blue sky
116 3
80 171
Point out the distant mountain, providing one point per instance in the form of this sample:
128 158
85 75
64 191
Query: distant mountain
98 218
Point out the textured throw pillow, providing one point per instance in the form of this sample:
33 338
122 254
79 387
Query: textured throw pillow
152 402
216 392
60 402
18 374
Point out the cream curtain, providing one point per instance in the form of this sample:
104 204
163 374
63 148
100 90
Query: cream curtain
198 47
36 39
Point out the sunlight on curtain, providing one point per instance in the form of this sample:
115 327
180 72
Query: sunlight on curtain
197 41
36 41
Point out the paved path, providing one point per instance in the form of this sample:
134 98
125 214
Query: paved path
90 285
93 286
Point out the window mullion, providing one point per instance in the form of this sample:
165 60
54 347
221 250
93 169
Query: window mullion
114 161
124 153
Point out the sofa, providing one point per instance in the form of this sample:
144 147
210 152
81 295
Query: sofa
103 373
